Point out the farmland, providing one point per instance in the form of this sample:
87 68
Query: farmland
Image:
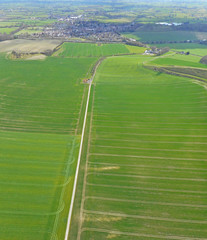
99 138
41 121
96 50
28 46
7 30
180 60
145 156
41 116
180 65
200 51
175 40
30 31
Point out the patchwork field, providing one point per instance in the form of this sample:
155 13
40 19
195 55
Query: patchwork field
96 50
41 111
146 160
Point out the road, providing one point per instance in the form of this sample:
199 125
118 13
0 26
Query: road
80 153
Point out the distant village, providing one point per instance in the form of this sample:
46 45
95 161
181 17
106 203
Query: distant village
75 27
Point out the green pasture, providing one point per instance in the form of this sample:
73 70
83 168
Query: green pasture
193 48
41 111
135 49
197 51
186 58
146 164
179 60
96 50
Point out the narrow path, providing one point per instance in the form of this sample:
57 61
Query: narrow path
85 174
80 153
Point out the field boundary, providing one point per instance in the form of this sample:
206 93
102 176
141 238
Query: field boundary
173 70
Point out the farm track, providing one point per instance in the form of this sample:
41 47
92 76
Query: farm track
85 174
80 153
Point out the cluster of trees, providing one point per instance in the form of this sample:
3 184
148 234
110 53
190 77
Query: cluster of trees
159 51
195 27
16 54
4 37
163 51
134 43
203 60
186 26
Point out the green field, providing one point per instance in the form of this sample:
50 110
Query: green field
96 50
193 48
146 160
6 24
179 60
197 51
30 31
166 36
143 171
41 111
7 30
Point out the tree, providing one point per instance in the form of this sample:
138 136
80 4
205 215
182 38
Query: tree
163 51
